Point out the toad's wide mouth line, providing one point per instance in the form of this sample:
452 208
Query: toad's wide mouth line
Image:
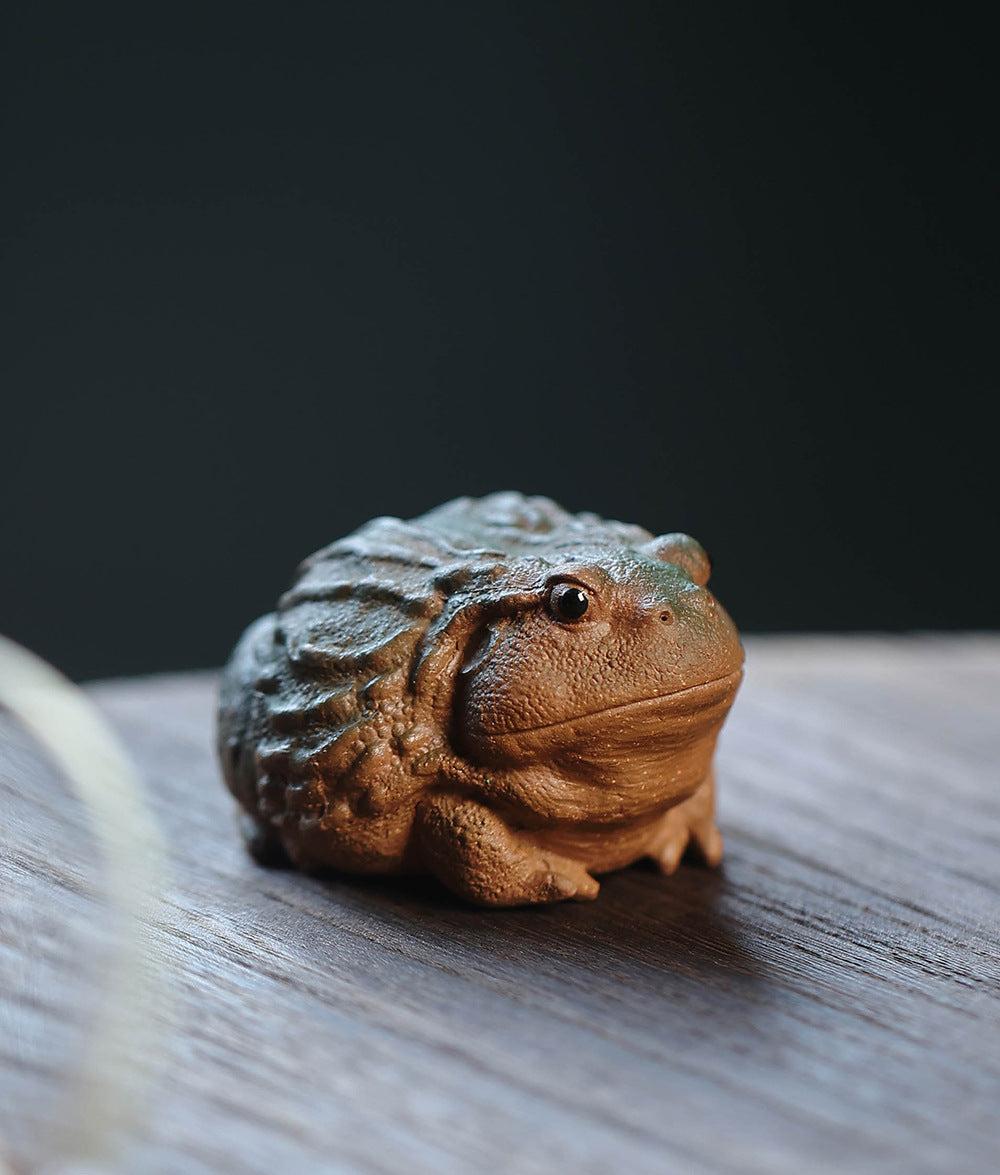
690 691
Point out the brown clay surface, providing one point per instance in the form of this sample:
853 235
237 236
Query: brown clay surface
509 696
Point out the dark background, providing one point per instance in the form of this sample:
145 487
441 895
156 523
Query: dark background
271 271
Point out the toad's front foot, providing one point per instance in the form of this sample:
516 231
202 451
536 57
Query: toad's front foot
479 856
689 824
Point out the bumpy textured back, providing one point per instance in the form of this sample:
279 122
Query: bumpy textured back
318 698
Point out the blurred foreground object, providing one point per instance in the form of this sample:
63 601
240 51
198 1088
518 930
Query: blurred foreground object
105 1100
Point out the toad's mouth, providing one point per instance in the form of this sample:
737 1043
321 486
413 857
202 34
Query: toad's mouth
705 696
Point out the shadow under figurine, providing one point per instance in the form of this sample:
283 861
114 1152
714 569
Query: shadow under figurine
507 695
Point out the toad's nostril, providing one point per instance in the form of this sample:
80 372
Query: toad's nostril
667 617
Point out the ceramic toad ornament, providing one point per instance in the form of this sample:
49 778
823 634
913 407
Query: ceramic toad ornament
507 695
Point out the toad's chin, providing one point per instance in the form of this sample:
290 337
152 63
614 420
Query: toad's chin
676 705
646 726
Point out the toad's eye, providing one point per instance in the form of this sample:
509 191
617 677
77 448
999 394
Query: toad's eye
568 602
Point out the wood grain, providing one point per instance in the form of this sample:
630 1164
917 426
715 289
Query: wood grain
828 1001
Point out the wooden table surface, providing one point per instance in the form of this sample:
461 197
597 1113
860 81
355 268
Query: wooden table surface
827 1001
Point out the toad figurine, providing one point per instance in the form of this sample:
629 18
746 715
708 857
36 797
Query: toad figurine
506 695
